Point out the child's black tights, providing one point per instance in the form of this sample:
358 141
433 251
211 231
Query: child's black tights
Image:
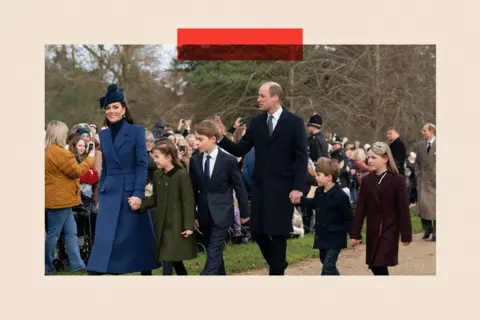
379 271
179 267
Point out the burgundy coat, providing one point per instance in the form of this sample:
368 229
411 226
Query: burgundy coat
388 218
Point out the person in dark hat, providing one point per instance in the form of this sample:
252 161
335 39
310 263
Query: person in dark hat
317 144
124 239
338 154
158 129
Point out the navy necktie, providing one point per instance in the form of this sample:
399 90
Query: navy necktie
428 147
206 170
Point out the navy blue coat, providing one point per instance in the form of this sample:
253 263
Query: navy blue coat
281 162
124 239
333 217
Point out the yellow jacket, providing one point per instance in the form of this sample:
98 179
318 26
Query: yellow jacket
62 177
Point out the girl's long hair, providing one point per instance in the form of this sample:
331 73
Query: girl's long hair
168 148
383 150
72 146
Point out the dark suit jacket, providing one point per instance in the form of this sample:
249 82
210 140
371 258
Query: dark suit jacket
216 197
280 166
399 153
333 217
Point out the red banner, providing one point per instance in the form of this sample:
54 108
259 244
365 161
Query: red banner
239 44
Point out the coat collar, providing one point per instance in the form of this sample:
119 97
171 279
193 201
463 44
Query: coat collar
384 185
119 140
122 133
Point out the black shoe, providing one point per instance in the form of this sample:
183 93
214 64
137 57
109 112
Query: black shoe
426 234
434 238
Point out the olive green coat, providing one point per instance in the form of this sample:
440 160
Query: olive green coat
175 204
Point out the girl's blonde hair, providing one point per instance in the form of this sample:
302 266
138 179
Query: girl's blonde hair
56 133
382 149
359 154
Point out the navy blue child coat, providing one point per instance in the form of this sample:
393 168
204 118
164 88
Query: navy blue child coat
333 217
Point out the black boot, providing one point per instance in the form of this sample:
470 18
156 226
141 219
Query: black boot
427 233
427 227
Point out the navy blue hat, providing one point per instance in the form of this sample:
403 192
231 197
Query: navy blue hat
82 131
113 95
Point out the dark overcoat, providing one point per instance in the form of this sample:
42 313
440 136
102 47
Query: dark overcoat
388 217
281 162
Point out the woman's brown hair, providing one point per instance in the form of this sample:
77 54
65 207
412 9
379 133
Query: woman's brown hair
72 146
128 116
168 148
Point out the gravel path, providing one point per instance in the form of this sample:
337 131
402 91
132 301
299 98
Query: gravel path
419 258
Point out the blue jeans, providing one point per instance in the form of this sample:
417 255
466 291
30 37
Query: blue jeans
59 219
329 258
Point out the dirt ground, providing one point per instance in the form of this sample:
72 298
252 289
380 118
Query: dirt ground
419 258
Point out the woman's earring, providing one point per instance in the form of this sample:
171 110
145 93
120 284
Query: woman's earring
123 115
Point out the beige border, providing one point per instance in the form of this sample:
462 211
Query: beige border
28 26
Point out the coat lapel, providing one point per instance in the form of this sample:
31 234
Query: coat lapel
279 125
220 156
120 139
433 149
107 143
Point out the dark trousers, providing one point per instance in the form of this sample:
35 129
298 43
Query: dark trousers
430 225
274 251
215 238
329 258
379 271
178 266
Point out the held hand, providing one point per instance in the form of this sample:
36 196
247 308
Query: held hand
220 125
135 203
354 242
187 233
244 220
92 153
196 226
295 194
405 243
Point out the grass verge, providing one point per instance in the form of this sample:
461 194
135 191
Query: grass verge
246 257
